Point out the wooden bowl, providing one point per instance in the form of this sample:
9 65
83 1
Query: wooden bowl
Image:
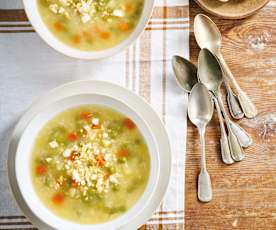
234 9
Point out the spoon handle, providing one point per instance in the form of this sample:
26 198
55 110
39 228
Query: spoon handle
235 147
234 144
204 181
243 137
224 146
247 105
233 103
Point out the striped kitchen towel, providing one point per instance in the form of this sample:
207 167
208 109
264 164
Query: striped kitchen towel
28 67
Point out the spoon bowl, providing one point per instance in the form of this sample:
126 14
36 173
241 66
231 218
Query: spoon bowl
207 33
209 70
200 108
185 73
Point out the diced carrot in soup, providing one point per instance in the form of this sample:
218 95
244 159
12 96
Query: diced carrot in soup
74 184
128 123
123 26
41 169
105 35
86 115
58 26
93 126
100 160
73 136
58 198
76 39
122 153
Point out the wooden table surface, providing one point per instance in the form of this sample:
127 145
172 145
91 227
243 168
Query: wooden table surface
244 194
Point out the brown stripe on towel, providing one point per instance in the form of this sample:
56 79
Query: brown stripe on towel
162 227
167 218
170 212
168 22
14 223
16 31
147 28
15 25
12 217
168 28
177 22
172 12
7 218
20 228
13 16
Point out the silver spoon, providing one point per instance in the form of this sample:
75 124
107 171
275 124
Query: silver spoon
210 74
186 77
200 111
208 36
185 73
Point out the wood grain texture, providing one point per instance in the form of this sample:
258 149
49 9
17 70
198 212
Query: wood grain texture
244 193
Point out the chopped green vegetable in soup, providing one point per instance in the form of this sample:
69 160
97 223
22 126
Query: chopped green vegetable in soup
90 164
91 24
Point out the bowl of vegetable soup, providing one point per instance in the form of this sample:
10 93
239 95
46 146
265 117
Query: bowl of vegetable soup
87 161
89 29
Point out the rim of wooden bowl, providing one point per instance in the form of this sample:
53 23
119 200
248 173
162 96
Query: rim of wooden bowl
226 15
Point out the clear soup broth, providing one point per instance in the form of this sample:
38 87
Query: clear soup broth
90 164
